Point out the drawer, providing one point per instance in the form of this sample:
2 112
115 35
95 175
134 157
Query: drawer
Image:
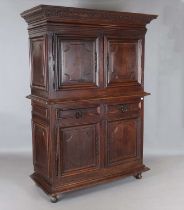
123 109
79 115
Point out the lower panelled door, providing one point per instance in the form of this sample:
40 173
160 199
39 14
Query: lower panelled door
77 146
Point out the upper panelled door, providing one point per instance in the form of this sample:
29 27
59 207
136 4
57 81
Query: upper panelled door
123 60
77 64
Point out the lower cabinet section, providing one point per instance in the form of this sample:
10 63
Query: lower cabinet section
87 144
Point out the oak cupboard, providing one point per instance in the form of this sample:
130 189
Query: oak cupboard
87 95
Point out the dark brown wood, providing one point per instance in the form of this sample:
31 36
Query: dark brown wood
38 76
77 62
40 148
87 92
122 141
122 60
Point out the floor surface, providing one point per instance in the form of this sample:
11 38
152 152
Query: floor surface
162 188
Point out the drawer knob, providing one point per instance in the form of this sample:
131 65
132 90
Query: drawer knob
78 114
124 107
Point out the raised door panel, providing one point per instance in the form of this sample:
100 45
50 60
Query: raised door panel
77 64
123 61
123 142
38 59
77 149
40 148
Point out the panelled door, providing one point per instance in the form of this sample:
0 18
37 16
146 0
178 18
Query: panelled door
78 142
79 148
123 56
77 60
96 59
122 140
124 133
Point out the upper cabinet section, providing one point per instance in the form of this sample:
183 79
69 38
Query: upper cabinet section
83 53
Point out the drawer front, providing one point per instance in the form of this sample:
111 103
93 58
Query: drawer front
123 110
78 115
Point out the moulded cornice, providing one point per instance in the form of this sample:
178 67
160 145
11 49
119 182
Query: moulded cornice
84 16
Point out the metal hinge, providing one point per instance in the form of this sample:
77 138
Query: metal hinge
97 146
95 61
107 61
53 64
53 44
53 58
57 153
57 165
54 85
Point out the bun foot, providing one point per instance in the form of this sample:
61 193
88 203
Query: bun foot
54 198
138 176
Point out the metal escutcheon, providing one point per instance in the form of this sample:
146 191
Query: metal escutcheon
124 107
78 114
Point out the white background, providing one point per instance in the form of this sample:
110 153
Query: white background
164 72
